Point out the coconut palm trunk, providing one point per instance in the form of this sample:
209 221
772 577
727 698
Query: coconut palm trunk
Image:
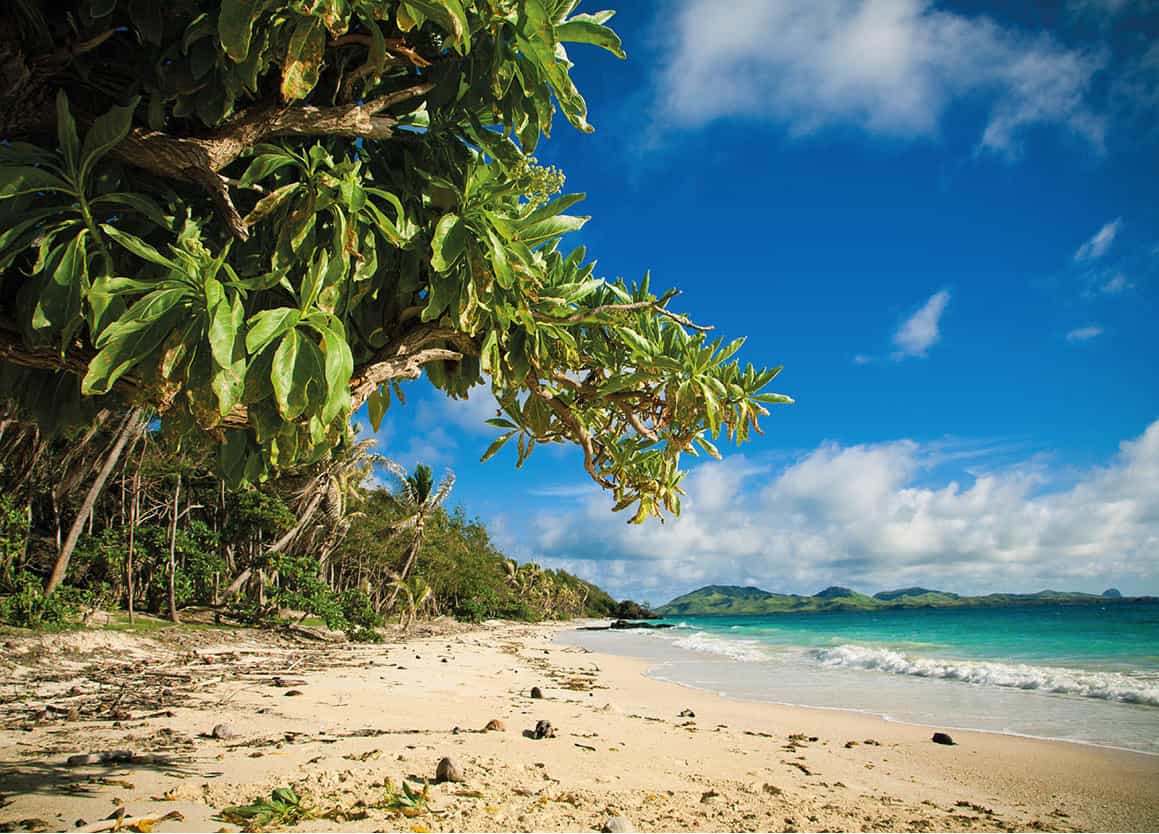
173 554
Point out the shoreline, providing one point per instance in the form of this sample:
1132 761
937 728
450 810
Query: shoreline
868 713
365 714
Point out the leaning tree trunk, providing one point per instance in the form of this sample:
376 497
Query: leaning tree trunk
412 554
173 555
128 429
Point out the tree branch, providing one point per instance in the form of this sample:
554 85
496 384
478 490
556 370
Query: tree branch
199 159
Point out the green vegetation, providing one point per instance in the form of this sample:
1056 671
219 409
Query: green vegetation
283 808
320 546
241 221
733 600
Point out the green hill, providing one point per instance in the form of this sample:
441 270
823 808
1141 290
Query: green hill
735 601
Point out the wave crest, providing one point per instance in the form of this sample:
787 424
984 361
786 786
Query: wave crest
1105 686
745 651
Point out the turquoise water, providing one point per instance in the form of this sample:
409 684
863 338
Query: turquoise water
1087 673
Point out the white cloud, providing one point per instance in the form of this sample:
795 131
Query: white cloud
920 332
888 67
1116 284
867 516
1099 243
1084 334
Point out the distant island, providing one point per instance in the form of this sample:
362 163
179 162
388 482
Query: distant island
733 599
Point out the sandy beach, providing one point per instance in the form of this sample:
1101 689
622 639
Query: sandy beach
335 721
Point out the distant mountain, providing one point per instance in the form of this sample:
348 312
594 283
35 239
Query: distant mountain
890 596
735 600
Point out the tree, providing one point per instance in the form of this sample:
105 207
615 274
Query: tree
280 210
417 498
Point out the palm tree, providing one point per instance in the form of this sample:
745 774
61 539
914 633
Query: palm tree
420 599
417 497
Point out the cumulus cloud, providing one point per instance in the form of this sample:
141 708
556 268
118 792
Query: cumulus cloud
868 516
1099 243
1084 334
888 67
920 331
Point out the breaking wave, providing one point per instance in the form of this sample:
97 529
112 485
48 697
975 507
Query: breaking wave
1105 686
745 651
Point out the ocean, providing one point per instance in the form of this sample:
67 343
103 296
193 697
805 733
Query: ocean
1085 673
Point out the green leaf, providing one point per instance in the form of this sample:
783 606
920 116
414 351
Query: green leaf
585 29
66 135
225 321
270 203
449 242
18 180
149 18
268 325
265 164
303 59
376 405
60 300
291 403
106 133
130 342
235 25
136 202
339 366
138 247
449 14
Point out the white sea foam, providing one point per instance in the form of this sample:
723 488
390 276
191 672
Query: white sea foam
1106 686
746 651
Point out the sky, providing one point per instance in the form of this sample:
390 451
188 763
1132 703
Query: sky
942 219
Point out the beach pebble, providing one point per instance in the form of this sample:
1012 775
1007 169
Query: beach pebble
223 731
292 692
543 729
448 770
536 692
617 825
687 713
495 725
942 738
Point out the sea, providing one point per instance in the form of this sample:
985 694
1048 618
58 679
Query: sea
1085 673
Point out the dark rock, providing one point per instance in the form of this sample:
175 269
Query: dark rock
536 692
292 692
617 825
942 738
495 725
223 732
687 713
625 624
543 729
850 744
81 822
286 683
448 770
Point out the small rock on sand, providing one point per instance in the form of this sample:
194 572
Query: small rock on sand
617 825
543 729
687 713
223 731
292 692
495 725
942 738
536 692
448 770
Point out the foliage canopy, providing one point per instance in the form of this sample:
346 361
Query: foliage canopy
254 216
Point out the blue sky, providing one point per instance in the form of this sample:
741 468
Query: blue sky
942 220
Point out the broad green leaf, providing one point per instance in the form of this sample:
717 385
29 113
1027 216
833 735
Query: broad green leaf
376 405
291 402
138 203
235 25
339 368
18 180
60 300
132 345
303 59
586 29
449 242
268 325
138 247
106 133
